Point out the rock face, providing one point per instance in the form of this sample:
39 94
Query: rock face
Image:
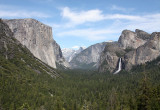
110 56
129 39
147 52
37 37
70 53
59 55
19 59
88 58
133 47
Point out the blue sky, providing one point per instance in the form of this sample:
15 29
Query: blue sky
85 22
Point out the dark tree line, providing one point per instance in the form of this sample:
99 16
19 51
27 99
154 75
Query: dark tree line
22 89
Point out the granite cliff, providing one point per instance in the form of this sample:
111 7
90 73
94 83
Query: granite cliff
130 39
37 37
15 58
134 48
88 58
145 53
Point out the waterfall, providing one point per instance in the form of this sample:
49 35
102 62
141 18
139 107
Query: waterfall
119 66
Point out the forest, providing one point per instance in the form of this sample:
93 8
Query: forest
21 89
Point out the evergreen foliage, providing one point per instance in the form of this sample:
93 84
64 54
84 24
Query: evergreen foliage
28 84
78 90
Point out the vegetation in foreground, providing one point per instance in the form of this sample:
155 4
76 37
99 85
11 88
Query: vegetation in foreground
25 84
79 90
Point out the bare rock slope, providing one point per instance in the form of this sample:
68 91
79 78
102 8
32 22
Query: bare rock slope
37 37
134 48
15 58
88 58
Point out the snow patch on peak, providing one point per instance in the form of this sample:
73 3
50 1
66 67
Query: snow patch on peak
69 53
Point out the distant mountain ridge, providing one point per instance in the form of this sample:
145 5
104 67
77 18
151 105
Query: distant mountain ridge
88 58
70 53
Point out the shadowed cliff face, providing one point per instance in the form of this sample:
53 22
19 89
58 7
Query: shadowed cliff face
133 47
110 56
37 37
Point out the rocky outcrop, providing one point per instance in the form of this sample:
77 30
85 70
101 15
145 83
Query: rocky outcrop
37 37
59 55
110 56
88 58
129 39
147 52
142 34
133 47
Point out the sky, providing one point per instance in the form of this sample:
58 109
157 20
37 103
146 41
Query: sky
78 23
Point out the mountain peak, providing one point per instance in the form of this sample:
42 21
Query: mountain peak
142 34
88 58
130 39
69 53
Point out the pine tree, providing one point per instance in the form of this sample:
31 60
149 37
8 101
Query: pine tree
144 94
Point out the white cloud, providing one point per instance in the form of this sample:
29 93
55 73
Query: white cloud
22 14
151 23
127 20
76 47
124 17
88 34
117 23
10 11
82 16
118 8
148 22
114 7
95 15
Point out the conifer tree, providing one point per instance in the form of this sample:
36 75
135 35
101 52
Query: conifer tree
144 94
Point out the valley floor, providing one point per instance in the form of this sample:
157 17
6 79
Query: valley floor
80 90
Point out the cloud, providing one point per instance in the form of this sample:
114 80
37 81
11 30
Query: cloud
118 8
150 23
76 47
22 14
81 17
88 34
103 26
124 17
114 7
95 15
118 22
92 16
9 11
